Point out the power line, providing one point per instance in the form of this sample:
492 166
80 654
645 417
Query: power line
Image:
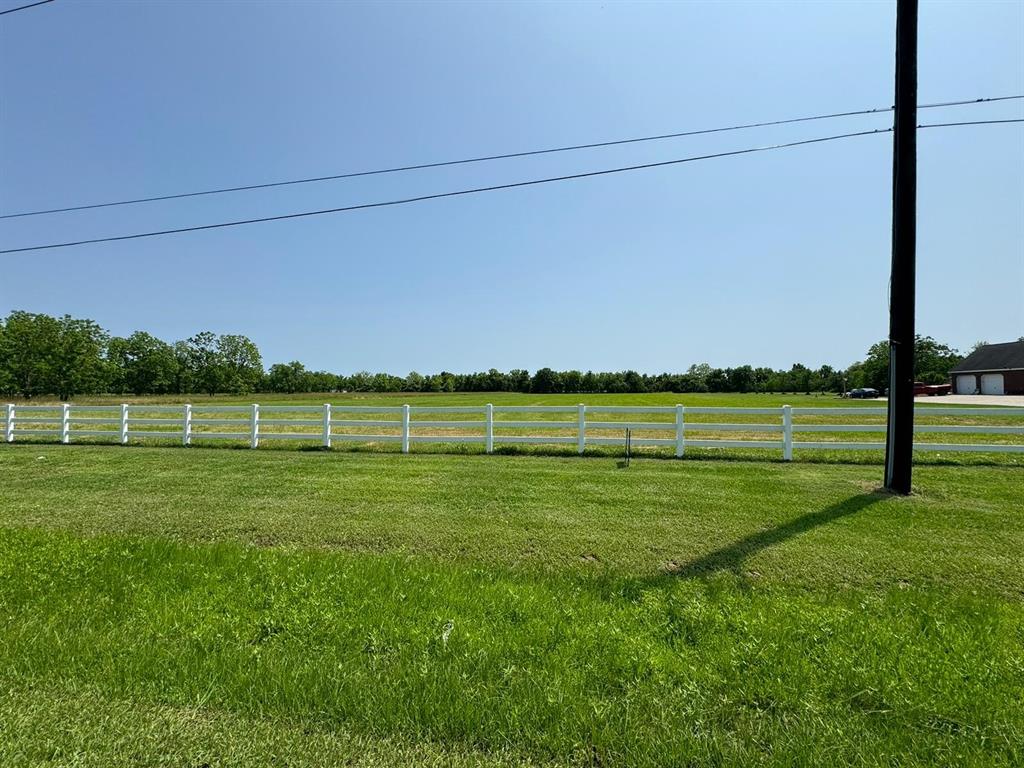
505 156
25 7
972 122
496 187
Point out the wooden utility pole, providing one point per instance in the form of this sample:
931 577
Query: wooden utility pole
899 439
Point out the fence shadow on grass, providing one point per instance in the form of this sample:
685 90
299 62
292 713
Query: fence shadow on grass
732 556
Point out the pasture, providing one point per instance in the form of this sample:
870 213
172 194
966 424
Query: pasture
818 427
311 608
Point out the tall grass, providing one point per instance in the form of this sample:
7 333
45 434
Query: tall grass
662 672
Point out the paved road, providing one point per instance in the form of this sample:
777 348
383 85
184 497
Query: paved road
1004 400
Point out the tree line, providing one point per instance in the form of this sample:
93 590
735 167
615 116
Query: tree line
67 356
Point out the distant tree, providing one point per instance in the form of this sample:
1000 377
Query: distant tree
384 382
717 380
115 359
414 382
359 381
27 354
141 364
827 379
932 363
6 380
741 379
698 375
77 362
184 380
572 381
546 381
239 364
321 381
199 358
874 371
519 380
613 382
446 382
762 376
800 378
634 382
287 377
495 381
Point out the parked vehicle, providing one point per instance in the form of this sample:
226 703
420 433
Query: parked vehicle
863 393
920 388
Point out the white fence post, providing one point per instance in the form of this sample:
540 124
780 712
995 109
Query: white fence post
787 433
186 425
680 431
124 423
489 439
65 423
9 428
254 439
405 428
581 431
327 425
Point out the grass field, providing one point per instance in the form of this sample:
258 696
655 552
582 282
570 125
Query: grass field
563 426
203 606
725 399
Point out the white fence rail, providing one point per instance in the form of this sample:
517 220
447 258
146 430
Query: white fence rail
328 423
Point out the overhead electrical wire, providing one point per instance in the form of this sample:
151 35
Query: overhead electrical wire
493 188
24 7
504 156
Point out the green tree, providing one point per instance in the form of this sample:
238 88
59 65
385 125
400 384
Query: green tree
200 360
634 382
932 363
697 376
414 382
239 364
286 377
385 382
717 380
546 381
141 364
6 380
360 381
519 380
741 379
27 352
77 363
572 381
321 381
495 381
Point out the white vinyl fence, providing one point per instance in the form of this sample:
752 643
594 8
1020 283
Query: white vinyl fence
581 425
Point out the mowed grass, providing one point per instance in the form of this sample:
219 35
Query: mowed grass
184 607
383 429
732 399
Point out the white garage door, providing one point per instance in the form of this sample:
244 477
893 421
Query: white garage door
966 385
991 383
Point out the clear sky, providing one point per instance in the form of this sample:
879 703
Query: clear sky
766 259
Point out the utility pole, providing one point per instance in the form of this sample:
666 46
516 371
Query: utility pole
899 439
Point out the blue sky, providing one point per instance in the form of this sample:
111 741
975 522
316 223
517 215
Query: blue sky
767 259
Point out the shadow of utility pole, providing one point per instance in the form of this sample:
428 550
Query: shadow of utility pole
731 557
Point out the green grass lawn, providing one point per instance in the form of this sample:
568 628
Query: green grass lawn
476 398
191 607
564 425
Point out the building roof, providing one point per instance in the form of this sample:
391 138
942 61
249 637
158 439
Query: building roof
994 357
